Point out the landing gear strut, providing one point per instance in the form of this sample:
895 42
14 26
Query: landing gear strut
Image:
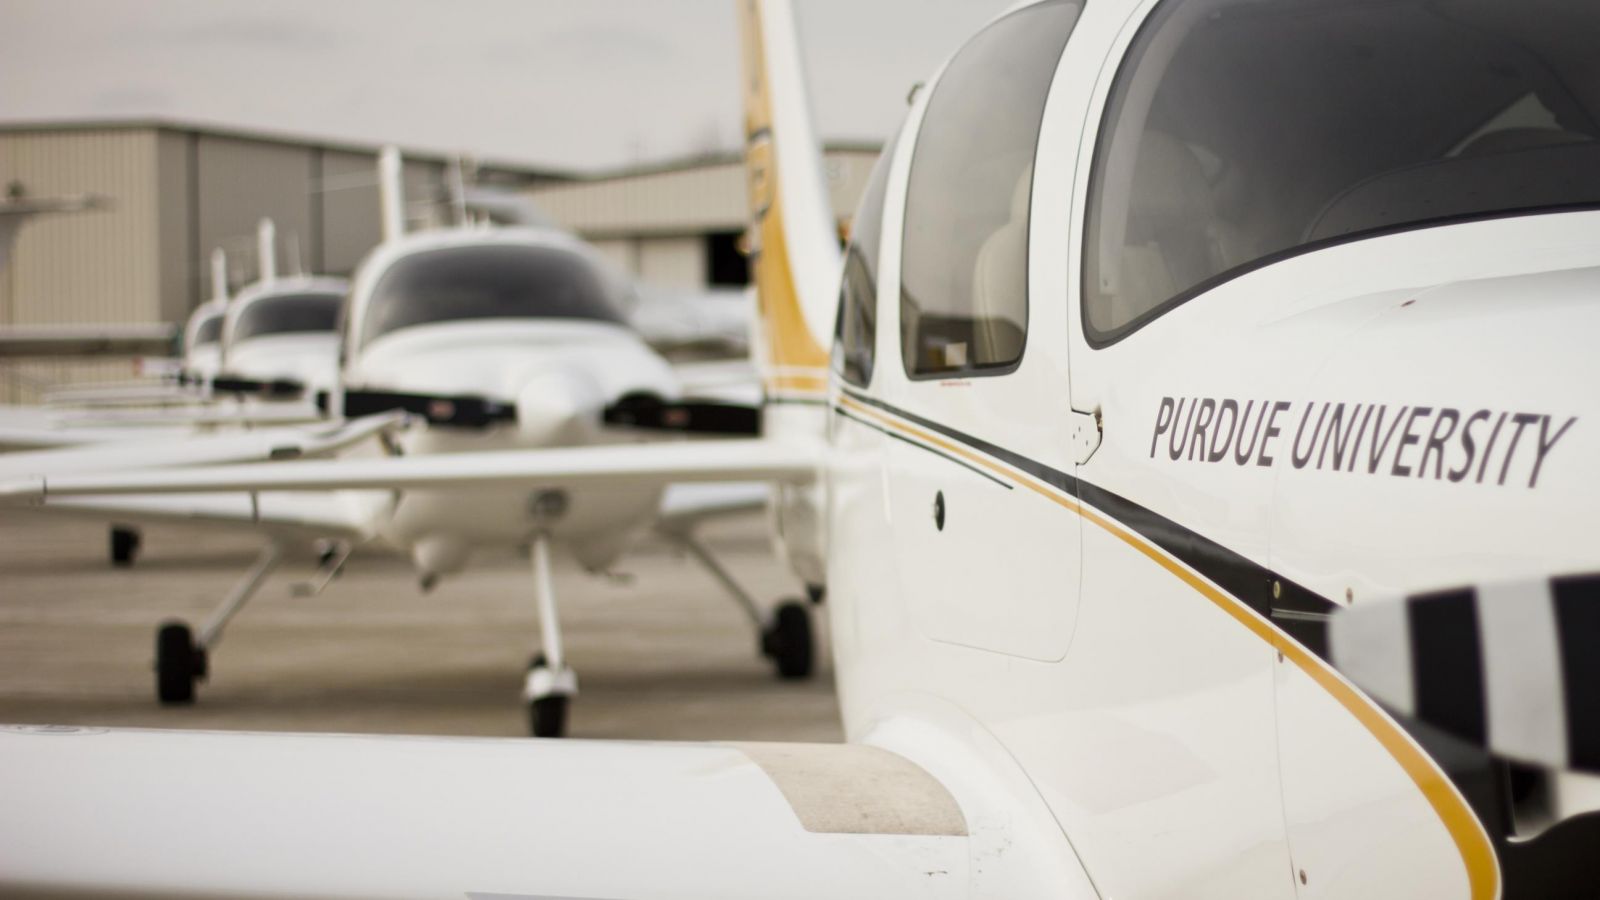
181 659
786 638
125 541
551 683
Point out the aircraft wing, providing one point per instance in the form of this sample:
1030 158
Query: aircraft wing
125 393
99 812
650 464
686 506
260 414
288 514
189 449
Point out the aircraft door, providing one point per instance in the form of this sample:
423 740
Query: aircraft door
982 520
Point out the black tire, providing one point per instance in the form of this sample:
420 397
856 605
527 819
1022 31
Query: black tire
179 664
547 716
787 641
124 545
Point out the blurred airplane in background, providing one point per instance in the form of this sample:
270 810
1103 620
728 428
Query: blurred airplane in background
491 340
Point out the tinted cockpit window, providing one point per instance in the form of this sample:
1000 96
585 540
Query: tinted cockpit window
857 328
288 313
209 331
1239 131
501 282
964 269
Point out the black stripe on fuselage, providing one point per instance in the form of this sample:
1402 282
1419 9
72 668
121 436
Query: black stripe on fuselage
915 443
1248 581
1577 606
1447 662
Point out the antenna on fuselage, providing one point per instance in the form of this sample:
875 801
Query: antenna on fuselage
267 250
391 193
458 192
219 275
296 261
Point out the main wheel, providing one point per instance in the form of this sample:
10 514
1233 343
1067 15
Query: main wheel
179 664
124 545
787 641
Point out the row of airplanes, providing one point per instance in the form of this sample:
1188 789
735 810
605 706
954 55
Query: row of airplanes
1221 522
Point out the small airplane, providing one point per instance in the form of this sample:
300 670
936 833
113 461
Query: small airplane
1170 333
244 358
497 340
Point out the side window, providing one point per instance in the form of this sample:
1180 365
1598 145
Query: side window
857 329
964 273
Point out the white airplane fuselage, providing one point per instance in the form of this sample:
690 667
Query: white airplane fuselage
304 356
202 340
1125 626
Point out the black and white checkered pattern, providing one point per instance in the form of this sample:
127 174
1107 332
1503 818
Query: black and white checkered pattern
1511 666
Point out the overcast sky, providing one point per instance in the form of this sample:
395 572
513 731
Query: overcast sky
581 84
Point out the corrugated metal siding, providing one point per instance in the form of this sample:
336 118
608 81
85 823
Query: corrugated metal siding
349 197
673 262
693 200
242 181
183 283
94 266
82 268
624 253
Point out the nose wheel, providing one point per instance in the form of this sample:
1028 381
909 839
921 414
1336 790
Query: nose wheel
549 694
551 683
180 662
787 640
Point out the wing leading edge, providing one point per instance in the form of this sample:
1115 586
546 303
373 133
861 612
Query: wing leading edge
787 461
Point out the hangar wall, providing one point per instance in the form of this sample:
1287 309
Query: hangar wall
679 224
176 192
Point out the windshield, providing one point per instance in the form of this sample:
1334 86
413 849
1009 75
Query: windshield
500 282
209 331
1239 131
288 313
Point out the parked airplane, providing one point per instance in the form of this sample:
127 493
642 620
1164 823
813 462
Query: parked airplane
498 339
1169 328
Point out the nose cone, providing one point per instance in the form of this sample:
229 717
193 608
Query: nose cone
560 407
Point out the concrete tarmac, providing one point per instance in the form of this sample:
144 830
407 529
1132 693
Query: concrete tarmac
660 654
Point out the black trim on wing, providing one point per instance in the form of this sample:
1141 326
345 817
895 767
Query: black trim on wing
279 389
651 412
462 411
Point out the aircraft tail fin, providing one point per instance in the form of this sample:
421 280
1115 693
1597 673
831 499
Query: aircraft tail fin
793 241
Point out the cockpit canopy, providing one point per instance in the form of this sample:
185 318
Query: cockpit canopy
207 331
311 311
1242 131
502 281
